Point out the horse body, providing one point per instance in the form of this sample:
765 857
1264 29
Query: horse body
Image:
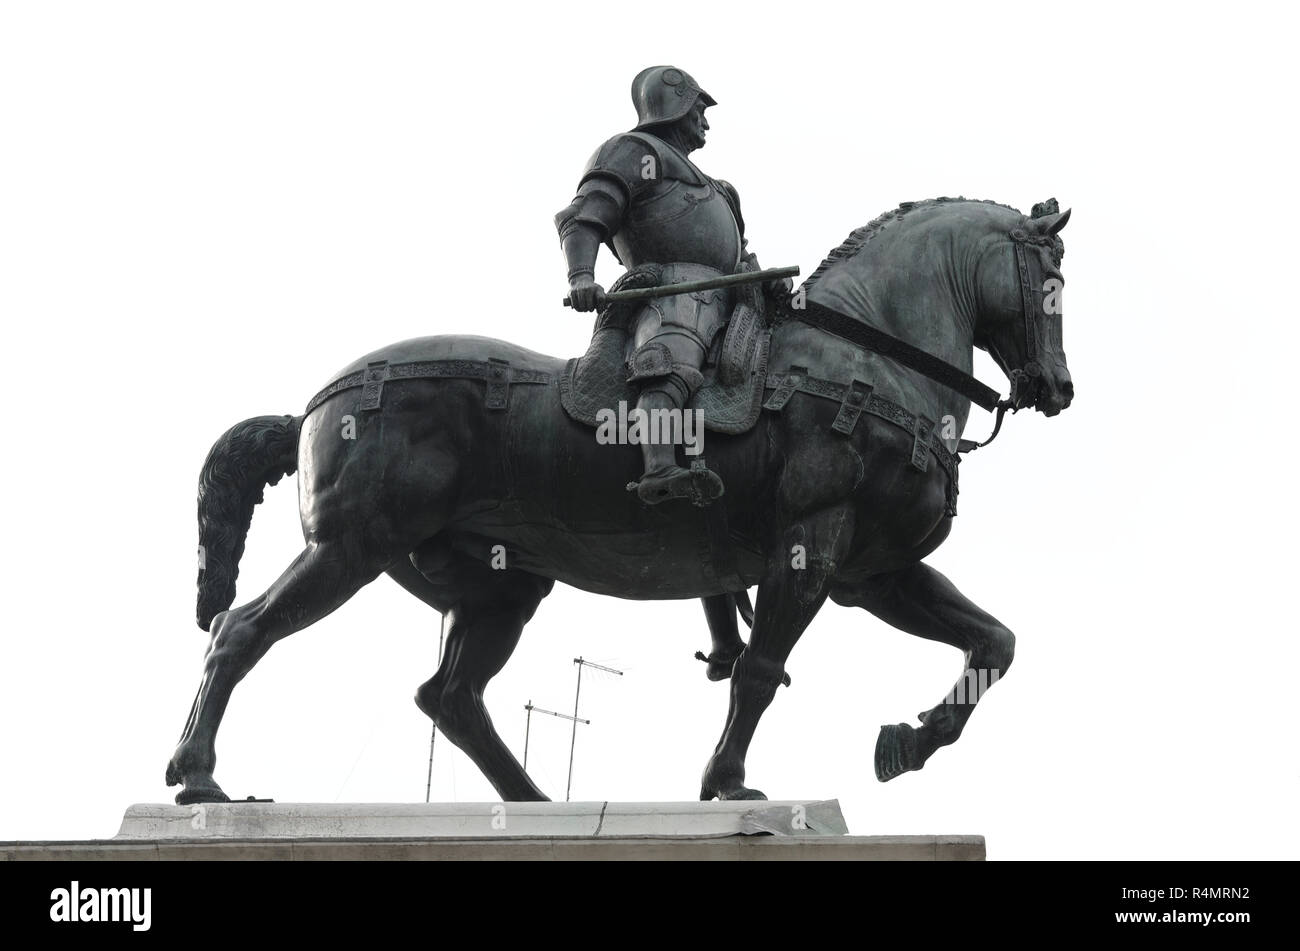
534 490
478 510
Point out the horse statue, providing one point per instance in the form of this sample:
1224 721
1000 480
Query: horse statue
466 469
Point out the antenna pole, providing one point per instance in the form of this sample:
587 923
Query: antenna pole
428 783
573 740
528 727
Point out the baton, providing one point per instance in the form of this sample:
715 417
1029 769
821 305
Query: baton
689 287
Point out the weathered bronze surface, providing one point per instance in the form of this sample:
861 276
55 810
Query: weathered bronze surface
468 468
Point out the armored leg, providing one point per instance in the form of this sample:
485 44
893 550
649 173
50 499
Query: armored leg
668 367
672 337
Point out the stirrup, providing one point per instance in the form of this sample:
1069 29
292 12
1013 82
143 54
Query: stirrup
698 483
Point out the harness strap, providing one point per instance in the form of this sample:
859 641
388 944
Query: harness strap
1019 238
498 374
900 351
920 429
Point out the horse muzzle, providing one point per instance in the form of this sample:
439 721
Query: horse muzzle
1047 392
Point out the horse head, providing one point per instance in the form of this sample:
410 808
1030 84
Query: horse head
1019 318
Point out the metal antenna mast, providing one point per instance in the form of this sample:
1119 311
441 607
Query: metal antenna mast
576 693
428 784
528 724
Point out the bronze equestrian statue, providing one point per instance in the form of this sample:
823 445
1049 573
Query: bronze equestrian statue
467 469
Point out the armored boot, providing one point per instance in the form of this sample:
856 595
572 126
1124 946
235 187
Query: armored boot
664 479
672 337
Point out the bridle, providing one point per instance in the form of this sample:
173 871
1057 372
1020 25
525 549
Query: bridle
1035 316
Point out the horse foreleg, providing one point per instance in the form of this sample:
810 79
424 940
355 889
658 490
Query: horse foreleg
483 629
921 601
795 583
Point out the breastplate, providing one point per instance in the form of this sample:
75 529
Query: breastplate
679 221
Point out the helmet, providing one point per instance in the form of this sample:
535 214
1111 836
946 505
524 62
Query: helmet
665 94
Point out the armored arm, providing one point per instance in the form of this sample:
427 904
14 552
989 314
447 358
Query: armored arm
592 218
615 176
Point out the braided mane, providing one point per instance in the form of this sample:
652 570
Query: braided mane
857 238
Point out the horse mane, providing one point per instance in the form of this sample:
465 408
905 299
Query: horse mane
860 236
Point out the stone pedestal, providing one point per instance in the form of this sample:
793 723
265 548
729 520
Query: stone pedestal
803 830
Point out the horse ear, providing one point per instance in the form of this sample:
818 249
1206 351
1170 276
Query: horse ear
1052 224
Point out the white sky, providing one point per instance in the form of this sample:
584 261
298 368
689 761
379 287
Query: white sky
207 209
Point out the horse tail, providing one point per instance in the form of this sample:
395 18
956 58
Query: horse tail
744 606
248 457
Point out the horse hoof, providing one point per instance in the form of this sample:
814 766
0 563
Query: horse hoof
194 794
896 751
719 666
723 795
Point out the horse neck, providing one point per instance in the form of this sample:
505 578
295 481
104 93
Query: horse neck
932 313
920 291
925 298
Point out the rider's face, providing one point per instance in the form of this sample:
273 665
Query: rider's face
696 125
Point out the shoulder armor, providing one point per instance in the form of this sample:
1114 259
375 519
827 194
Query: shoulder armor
623 159
639 160
600 201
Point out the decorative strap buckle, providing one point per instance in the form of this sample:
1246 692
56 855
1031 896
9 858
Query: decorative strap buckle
498 384
856 395
372 385
921 443
786 388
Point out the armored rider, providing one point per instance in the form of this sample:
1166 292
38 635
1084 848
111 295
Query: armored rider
644 198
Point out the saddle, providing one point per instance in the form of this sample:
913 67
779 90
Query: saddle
731 396
737 385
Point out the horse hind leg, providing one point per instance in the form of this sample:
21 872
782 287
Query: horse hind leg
319 580
720 612
921 601
484 625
